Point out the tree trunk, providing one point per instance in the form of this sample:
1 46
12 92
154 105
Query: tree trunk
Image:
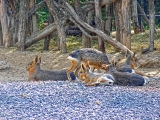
126 12
22 25
107 38
1 36
34 18
141 11
60 29
15 35
122 18
99 25
118 20
135 17
151 24
46 42
86 43
108 19
4 23
48 38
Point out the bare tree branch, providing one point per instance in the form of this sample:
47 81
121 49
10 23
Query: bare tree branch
90 7
42 34
107 38
37 7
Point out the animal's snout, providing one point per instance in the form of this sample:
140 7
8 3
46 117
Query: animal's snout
110 83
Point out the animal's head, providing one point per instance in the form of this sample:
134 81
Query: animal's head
83 73
135 61
35 64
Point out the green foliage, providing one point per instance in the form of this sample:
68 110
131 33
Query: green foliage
42 17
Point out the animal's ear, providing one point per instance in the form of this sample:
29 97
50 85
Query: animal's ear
114 63
39 60
134 54
82 67
36 59
128 53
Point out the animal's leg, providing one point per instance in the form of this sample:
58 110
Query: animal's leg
74 65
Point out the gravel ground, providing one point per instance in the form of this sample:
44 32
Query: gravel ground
73 101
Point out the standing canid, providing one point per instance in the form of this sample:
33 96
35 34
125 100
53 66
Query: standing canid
86 55
126 78
36 73
91 78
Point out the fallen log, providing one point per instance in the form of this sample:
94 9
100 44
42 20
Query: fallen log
42 34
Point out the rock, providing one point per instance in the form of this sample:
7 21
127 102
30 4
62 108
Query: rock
4 65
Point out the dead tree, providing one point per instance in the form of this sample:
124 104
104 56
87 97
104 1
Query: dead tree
22 25
60 29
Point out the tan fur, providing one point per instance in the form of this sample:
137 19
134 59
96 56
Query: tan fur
88 56
91 79
37 74
119 59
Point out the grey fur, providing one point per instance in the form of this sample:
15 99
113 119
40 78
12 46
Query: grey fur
49 75
125 78
84 55
125 67
36 73
90 54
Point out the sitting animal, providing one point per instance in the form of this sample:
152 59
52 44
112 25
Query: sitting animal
91 78
125 67
129 64
37 74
